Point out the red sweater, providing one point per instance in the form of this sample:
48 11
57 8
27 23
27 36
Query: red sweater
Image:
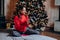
21 23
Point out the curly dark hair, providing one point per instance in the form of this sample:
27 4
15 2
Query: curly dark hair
17 12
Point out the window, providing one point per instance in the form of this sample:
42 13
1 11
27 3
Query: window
1 7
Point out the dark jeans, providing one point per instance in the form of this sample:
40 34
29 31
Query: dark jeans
28 32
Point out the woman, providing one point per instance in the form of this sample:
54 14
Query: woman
21 23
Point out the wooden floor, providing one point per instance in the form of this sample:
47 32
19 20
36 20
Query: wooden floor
50 34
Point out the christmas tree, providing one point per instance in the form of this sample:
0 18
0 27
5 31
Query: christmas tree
36 12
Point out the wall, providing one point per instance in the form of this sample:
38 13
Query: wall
9 8
6 2
51 9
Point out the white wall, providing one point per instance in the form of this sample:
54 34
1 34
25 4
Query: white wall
53 13
6 2
57 2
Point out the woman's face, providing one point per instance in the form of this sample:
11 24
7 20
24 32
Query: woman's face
23 11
